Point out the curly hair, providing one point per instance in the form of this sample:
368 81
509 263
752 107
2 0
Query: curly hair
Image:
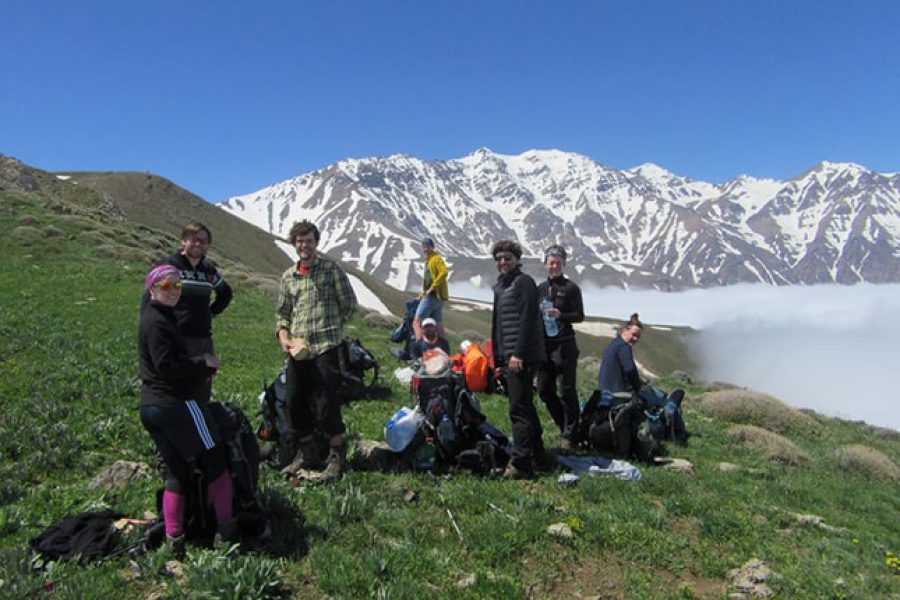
301 228
507 246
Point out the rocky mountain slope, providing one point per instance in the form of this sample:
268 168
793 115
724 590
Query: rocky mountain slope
641 227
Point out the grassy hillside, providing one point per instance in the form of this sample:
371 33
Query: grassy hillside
70 286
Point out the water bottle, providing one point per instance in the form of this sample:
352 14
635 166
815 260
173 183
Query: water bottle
446 432
550 326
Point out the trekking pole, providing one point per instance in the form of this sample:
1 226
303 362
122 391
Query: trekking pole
440 492
503 512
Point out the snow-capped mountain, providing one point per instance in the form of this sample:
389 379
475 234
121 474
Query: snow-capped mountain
643 227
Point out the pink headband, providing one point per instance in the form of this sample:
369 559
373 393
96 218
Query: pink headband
159 273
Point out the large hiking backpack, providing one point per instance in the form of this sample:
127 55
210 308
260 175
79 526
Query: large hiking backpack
664 410
276 426
243 465
454 423
355 363
610 425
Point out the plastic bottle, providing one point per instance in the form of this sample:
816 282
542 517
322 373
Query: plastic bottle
446 430
550 326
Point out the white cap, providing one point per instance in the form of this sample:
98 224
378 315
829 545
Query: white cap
429 321
464 345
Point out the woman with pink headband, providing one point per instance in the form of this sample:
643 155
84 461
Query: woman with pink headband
180 425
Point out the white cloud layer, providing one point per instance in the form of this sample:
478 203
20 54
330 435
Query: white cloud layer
827 347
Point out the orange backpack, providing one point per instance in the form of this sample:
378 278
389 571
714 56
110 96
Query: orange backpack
475 368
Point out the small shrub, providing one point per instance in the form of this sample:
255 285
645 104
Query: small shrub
867 461
95 238
754 408
26 235
718 386
53 232
27 220
775 447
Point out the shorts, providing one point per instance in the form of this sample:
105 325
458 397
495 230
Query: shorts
430 306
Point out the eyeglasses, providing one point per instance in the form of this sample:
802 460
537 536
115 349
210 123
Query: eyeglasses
505 257
169 285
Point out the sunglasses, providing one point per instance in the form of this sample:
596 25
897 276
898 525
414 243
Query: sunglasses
169 285
504 257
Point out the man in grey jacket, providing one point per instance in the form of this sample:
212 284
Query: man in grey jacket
517 336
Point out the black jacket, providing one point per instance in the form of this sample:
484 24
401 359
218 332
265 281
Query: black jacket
194 311
566 296
167 373
517 327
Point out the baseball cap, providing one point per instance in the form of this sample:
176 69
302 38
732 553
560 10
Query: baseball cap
429 321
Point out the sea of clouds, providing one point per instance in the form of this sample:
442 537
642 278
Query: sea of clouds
831 348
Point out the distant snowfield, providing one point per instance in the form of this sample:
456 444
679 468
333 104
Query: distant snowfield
596 328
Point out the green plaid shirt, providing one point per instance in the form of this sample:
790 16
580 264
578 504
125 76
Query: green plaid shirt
315 306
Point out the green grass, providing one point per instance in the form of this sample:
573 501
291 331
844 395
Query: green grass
69 390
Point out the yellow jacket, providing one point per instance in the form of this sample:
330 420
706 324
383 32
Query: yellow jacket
435 277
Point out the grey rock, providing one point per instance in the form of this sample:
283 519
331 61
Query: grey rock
119 474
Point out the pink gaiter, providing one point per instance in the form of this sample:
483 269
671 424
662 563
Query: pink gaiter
221 492
173 513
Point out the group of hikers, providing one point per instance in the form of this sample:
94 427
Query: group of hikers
532 339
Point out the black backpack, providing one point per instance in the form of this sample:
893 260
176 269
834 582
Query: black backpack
275 426
356 363
243 465
611 427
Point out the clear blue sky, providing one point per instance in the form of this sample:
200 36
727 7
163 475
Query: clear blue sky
226 97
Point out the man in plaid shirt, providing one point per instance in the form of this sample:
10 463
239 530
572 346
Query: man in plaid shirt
315 299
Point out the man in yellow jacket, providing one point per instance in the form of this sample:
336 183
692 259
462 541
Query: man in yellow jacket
434 290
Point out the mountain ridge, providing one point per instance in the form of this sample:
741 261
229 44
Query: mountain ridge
638 227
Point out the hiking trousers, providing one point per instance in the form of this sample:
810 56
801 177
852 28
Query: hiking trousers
560 368
526 425
311 387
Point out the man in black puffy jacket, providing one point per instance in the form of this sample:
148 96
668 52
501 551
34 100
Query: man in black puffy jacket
517 336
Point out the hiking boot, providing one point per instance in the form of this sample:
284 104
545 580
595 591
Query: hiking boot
544 461
307 458
514 472
335 464
176 545
227 533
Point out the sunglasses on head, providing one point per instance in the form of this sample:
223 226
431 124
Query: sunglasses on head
169 285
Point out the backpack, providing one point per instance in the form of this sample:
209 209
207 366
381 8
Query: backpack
404 332
610 426
276 426
663 414
454 425
475 368
489 453
243 464
355 361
